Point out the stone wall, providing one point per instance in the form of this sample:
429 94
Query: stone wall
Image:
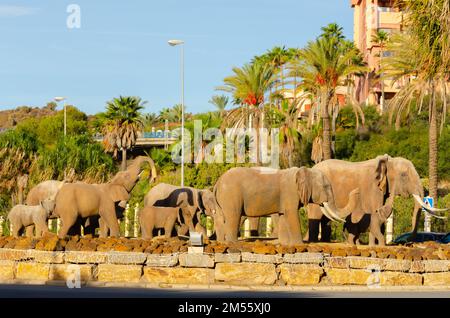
241 268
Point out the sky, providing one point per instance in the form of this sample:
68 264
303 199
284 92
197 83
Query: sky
120 47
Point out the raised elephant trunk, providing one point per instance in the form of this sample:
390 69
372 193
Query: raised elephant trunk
129 177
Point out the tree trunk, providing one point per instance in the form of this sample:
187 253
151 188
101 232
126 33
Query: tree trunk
326 127
124 159
433 146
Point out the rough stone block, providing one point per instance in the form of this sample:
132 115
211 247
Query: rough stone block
9 254
6 270
304 258
397 265
47 256
196 260
78 257
365 262
70 271
417 267
178 275
400 279
227 258
119 273
126 258
337 262
32 271
436 266
246 273
436 279
301 274
261 258
157 260
339 276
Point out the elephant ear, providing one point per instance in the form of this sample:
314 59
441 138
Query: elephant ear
117 192
381 172
304 184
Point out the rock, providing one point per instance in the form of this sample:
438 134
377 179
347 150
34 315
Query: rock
126 258
365 262
300 248
436 279
233 250
400 279
246 273
167 249
203 276
161 260
417 267
122 248
119 273
396 265
337 262
85 257
339 253
227 258
304 258
71 246
14 255
260 258
365 253
196 260
209 249
339 276
313 248
67 272
47 256
285 249
159 250
264 249
220 248
301 274
436 266
32 271
6 270
25 243
89 246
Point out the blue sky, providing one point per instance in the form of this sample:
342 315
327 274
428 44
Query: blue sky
121 47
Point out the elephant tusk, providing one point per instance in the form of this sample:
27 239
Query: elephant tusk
334 216
435 215
427 208
325 212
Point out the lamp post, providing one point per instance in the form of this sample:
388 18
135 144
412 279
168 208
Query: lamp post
59 99
175 43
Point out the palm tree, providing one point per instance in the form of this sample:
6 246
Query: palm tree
149 120
381 38
422 55
333 30
248 86
325 64
123 120
221 102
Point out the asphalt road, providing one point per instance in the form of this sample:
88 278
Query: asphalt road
50 291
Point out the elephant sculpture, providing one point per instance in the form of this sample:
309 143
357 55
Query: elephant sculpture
28 216
197 201
379 181
155 217
84 201
45 190
256 192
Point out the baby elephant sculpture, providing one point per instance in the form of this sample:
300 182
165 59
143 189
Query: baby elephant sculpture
23 216
156 217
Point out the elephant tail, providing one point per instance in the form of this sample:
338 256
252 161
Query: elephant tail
218 207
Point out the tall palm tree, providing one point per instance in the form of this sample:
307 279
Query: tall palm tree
149 120
381 38
325 64
123 120
248 86
221 102
422 55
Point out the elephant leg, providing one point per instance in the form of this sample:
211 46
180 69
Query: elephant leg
313 231
351 239
293 226
108 214
283 236
103 228
75 229
325 226
371 239
29 231
15 229
168 227
67 222
231 228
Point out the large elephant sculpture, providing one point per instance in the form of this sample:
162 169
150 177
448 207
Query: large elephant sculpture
379 181
45 190
24 216
198 200
255 192
87 201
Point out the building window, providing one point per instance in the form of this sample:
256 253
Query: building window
385 9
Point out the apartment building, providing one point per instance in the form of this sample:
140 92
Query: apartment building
369 16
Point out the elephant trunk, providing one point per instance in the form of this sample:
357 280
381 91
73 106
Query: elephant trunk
334 213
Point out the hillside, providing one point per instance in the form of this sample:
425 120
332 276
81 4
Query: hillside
11 117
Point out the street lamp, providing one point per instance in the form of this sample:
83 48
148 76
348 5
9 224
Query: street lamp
60 99
175 43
